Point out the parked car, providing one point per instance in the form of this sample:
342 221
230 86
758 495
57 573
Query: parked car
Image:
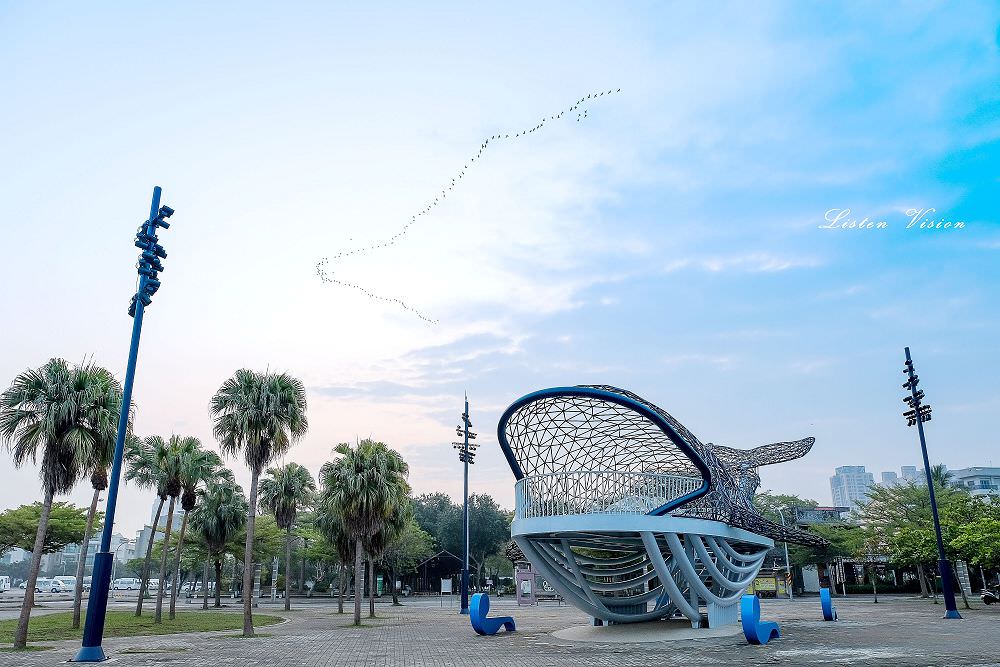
86 583
125 584
68 582
48 586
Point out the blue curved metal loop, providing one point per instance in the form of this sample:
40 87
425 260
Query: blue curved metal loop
829 612
619 399
479 608
755 630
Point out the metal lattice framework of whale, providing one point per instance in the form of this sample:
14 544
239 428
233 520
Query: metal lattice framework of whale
628 515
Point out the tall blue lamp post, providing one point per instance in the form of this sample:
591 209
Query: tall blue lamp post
467 455
917 415
149 268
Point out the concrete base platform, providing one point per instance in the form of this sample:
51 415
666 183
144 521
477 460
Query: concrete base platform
644 633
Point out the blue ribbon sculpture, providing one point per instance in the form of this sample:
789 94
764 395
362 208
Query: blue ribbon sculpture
756 631
829 613
478 610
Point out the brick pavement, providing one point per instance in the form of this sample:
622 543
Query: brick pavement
897 631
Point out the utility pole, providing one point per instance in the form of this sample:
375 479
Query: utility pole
917 415
788 563
149 267
467 455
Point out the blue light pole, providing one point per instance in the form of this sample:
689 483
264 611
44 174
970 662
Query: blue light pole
149 267
917 415
467 455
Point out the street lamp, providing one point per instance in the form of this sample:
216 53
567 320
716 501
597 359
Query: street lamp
917 415
467 455
149 267
788 564
114 566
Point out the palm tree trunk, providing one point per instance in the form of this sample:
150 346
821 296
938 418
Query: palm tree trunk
395 594
158 618
371 588
144 582
341 585
302 571
218 582
177 567
21 634
248 558
288 568
204 585
82 562
922 581
359 579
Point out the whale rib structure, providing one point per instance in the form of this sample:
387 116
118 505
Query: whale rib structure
632 518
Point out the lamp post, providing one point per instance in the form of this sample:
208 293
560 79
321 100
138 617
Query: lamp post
149 267
788 563
917 415
114 563
467 455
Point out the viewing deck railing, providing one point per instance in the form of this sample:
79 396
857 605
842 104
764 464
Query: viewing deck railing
597 492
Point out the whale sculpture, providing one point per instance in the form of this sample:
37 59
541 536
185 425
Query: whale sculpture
631 517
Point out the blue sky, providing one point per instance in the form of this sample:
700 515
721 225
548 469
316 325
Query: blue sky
669 242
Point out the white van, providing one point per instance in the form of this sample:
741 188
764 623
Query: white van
4 584
125 584
48 586
68 583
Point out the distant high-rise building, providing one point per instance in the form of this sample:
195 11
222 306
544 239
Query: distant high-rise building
890 479
911 474
849 485
980 481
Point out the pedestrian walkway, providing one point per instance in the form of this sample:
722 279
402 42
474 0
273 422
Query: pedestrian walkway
896 631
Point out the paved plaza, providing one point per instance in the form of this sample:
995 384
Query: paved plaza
897 631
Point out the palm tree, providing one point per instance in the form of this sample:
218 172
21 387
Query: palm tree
64 415
220 516
103 453
258 415
142 468
385 537
196 466
168 459
99 482
283 492
941 476
366 484
330 524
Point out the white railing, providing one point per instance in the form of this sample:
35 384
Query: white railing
597 492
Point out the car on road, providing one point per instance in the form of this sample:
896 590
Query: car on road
48 586
68 582
125 584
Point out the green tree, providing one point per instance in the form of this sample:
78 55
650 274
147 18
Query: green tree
284 492
168 456
330 525
143 469
489 530
62 415
196 466
18 526
366 484
258 415
411 547
442 519
218 519
769 504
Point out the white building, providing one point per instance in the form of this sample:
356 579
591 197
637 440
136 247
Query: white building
849 485
142 536
981 481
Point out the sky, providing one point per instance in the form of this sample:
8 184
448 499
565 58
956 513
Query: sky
673 238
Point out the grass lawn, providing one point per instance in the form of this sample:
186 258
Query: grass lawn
124 624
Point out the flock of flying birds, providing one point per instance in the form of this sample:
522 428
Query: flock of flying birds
326 274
